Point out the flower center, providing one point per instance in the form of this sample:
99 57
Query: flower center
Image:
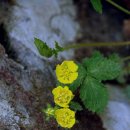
66 118
66 73
63 97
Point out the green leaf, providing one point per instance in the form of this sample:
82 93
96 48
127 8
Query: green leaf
121 78
43 49
81 76
94 95
115 57
102 68
75 106
97 5
57 47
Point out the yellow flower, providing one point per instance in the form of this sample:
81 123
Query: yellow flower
65 117
62 96
67 72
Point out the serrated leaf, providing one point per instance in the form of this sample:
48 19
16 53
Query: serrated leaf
97 5
94 95
81 76
75 106
102 68
42 47
121 78
45 50
115 57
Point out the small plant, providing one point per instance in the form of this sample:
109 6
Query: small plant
86 78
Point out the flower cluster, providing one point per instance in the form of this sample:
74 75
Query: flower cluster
66 73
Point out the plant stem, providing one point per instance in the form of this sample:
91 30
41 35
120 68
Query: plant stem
110 44
107 44
126 58
119 7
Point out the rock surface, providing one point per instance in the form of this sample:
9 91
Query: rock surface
26 83
45 19
22 96
117 114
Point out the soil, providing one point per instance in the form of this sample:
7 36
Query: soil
88 121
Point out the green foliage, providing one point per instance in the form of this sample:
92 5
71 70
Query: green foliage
81 75
97 68
91 72
124 72
49 112
58 48
102 68
115 57
45 50
97 5
93 94
75 106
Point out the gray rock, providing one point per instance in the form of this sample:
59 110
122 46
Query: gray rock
9 84
117 113
45 19
23 94
26 85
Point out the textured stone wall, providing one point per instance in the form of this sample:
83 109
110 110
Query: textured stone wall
27 79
